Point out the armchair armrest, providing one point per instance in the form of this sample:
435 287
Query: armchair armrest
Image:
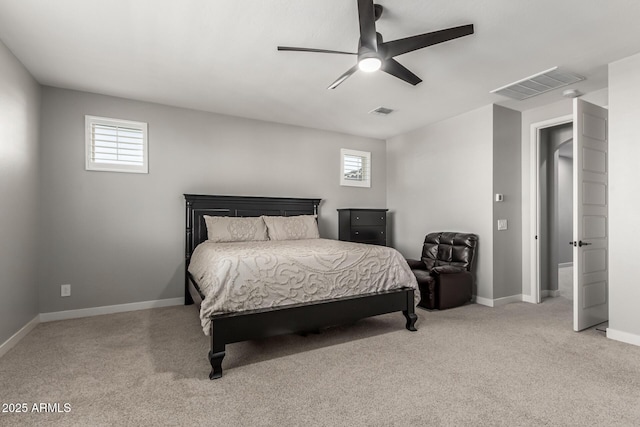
416 264
446 269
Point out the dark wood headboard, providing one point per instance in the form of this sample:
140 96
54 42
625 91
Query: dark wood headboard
199 205
244 206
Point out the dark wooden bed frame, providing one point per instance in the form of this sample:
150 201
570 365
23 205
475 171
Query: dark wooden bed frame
254 324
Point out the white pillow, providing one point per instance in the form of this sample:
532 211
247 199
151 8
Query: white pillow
235 229
292 227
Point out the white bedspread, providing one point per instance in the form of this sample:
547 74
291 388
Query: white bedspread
242 276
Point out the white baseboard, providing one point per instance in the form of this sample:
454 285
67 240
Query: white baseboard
625 337
13 340
507 300
545 293
109 309
498 301
84 312
484 301
549 293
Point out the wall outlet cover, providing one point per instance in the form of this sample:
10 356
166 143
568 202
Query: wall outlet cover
502 224
65 290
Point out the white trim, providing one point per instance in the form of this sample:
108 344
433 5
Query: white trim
549 293
565 264
499 301
15 338
625 337
484 301
534 205
109 309
84 312
507 300
529 299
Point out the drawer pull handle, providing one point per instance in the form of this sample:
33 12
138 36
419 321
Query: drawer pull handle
357 232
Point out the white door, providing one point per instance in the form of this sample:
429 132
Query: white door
590 212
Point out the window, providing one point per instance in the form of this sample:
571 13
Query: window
355 168
114 145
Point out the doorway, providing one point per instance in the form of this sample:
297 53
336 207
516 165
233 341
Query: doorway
555 176
586 129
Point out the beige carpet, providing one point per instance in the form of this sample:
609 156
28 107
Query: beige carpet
519 364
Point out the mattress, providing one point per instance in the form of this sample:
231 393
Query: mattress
241 276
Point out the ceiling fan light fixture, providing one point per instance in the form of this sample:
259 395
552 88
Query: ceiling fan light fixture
370 64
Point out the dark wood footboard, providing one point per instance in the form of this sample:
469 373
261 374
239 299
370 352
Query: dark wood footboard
235 327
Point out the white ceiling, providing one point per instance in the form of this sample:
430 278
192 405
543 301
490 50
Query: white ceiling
221 56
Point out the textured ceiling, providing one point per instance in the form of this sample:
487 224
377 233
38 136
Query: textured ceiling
221 56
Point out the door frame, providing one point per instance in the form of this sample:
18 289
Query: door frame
534 194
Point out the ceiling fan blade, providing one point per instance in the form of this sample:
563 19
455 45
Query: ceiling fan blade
398 47
393 67
343 77
306 49
366 16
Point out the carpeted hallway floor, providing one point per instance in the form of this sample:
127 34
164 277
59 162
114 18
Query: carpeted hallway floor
520 364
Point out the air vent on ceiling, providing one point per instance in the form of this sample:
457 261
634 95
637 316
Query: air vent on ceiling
381 111
538 84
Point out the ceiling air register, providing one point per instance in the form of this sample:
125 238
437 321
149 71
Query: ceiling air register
537 84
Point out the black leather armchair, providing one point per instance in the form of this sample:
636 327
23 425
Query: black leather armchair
444 271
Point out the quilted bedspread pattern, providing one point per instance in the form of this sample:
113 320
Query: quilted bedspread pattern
242 276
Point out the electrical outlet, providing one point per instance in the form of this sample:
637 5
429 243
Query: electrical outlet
502 224
65 290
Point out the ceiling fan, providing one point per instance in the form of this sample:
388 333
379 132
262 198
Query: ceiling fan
374 54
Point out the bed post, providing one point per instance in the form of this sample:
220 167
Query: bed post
410 312
188 300
217 352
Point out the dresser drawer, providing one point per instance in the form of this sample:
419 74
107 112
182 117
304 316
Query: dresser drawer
368 218
368 234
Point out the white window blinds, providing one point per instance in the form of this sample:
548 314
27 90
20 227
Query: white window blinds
355 168
116 145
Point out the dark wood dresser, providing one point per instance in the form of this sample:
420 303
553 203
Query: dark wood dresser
363 225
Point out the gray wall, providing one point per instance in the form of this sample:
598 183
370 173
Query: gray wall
565 209
561 213
119 238
546 205
19 115
440 178
507 258
624 200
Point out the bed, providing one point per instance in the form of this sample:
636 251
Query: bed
226 325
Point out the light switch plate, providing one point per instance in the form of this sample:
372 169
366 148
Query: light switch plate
502 224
